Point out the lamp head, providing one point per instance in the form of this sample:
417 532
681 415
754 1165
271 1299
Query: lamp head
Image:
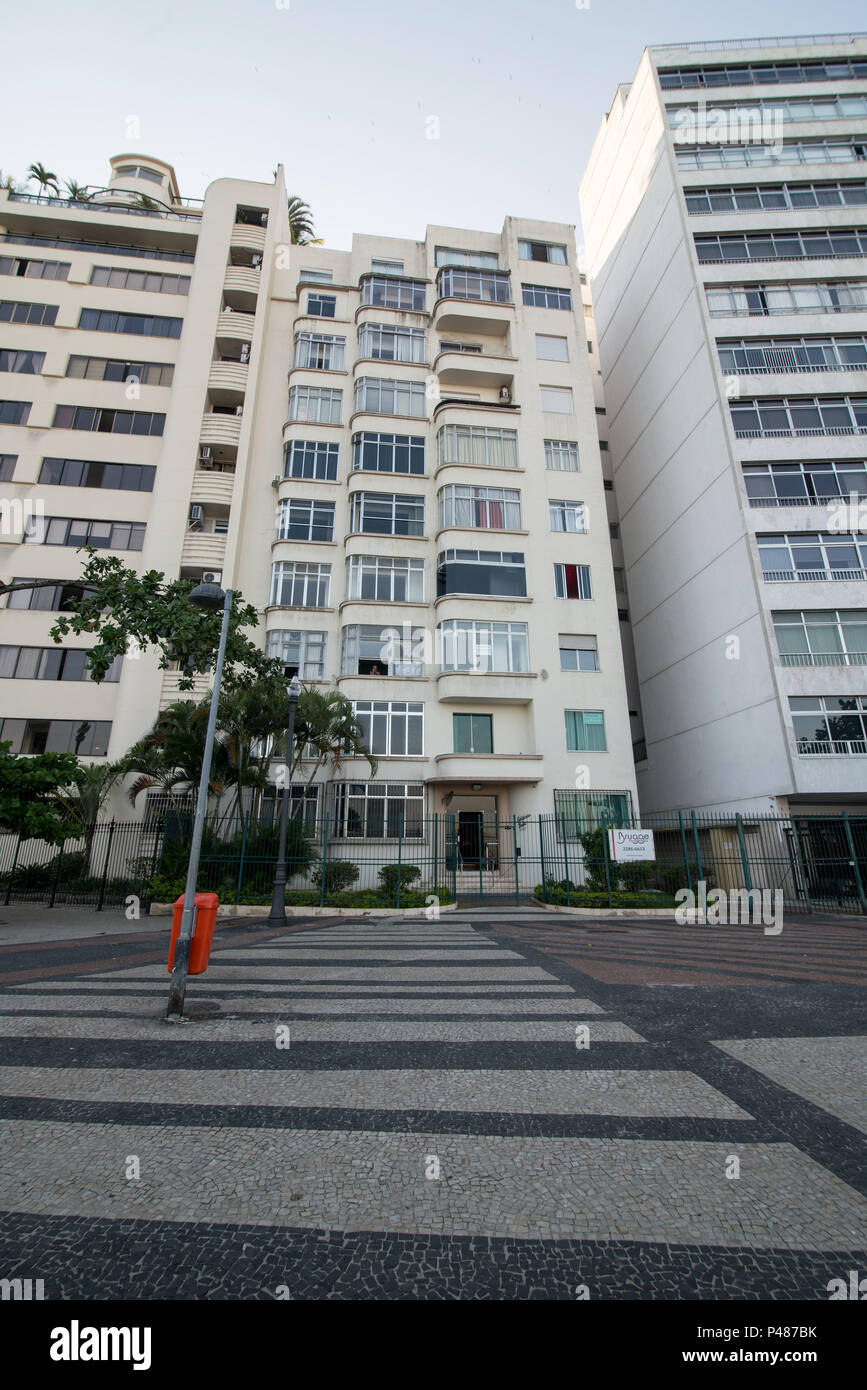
208 596
294 688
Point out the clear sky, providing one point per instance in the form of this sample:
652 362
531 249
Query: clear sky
343 92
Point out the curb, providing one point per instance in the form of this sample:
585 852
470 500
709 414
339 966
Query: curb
250 910
602 913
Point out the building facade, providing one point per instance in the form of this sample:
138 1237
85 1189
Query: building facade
725 213
391 451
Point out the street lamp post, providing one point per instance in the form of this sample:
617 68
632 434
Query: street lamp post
207 596
277 916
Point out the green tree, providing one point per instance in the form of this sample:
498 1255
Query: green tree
44 178
33 792
77 191
170 755
325 719
301 223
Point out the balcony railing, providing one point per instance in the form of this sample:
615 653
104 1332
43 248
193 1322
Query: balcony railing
769 312
781 362
836 500
791 433
95 205
823 658
846 748
485 286
811 576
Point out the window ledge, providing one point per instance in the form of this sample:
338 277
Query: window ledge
385 415
492 467
479 531
391 602
294 608
494 598
296 540
383 536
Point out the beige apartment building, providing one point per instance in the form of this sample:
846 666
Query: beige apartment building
725 213
392 451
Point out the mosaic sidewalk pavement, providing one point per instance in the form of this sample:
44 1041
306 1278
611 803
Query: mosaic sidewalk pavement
400 1110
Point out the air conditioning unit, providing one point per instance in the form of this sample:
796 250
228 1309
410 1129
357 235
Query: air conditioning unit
505 395
256 262
239 410
277 480
205 456
197 516
212 577
245 352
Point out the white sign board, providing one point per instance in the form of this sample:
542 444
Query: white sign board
627 846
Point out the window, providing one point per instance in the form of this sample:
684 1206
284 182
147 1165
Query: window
567 516
393 294
556 399
141 325
127 477
473 733
546 297
562 455
386 513
56 597
51 664
150 281
386 267
744 356
478 260
775 197
805 484
369 649
34 270
25 363
477 446
14 311
579 812
14 412
824 108
740 301
316 404
309 458
829 724
384 579
488 286
105 248
469 645
791 152
87 738
799 415
751 74
102 535
322 306
320 351
382 396
833 242
390 344
485 508
136 171
542 251
85 417
552 349
585 731
378 810
117 369
815 638
297 584
319 277
572 581
303 519
810 556
388 453
7 467
578 653
302 653
491 572
392 728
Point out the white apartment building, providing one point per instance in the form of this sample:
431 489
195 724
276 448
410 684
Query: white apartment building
725 213
391 451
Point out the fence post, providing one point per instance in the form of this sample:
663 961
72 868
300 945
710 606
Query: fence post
399 849
14 867
515 848
542 861
56 876
859 882
607 865
324 870
240 882
436 851
99 905
481 851
739 822
565 858
796 842
698 865
685 851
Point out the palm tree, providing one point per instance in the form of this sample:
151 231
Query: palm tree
77 191
83 803
301 223
326 721
8 182
170 755
39 174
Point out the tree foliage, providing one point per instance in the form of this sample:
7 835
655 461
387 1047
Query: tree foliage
30 792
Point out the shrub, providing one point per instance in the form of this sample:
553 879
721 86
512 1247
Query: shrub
339 874
390 875
594 847
634 877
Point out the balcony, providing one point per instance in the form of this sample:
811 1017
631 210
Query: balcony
819 748
812 576
171 690
222 432
227 382
234 328
485 687
210 487
491 318
241 288
471 369
836 500
203 550
823 658
488 767
248 237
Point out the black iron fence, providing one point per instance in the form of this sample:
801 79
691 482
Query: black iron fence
816 862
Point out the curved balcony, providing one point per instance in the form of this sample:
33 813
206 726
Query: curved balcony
473 316
205 549
486 687
212 487
234 328
241 288
227 382
469 369
222 432
488 767
171 690
249 237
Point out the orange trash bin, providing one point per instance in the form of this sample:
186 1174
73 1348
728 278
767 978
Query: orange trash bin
204 921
